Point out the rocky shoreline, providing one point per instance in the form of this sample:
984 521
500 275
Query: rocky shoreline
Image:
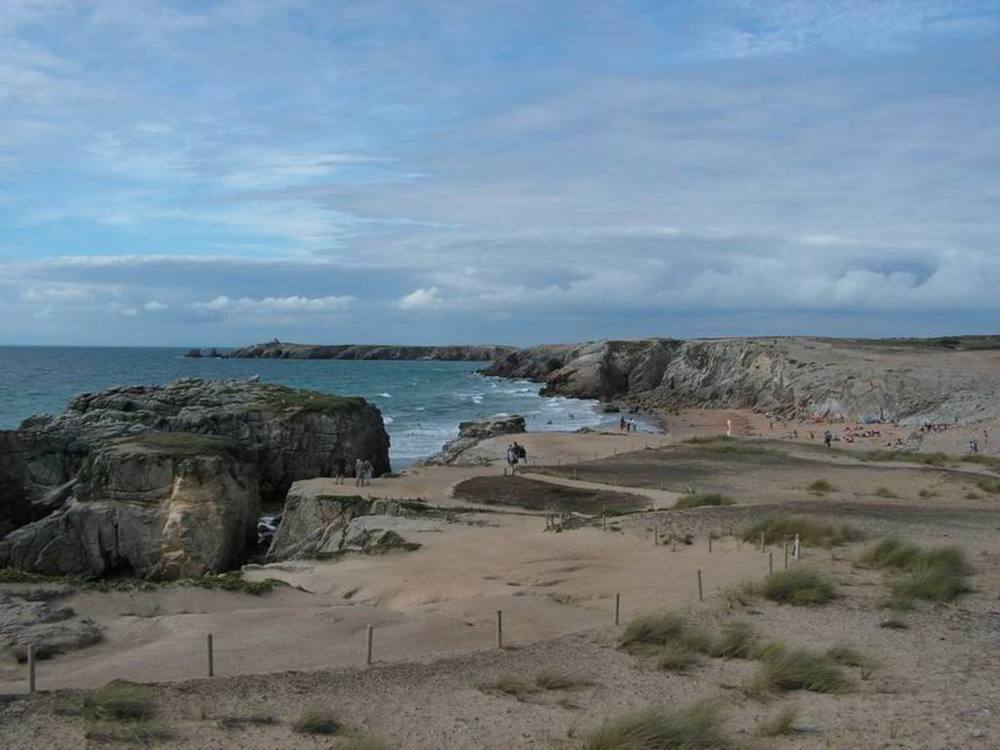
282 350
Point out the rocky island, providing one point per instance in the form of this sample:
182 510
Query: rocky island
282 350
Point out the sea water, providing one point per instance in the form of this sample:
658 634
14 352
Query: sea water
421 402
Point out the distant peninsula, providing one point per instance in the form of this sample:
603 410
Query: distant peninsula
282 350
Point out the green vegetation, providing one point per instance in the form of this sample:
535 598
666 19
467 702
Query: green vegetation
282 397
696 727
142 733
927 459
523 688
885 492
738 641
696 500
849 656
119 700
797 669
821 487
992 462
798 586
648 634
729 445
231 581
180 443
938 575
677 656
242 722
777 528
318 720
927 494
991 486
780 724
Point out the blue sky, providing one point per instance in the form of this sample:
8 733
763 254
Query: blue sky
222 172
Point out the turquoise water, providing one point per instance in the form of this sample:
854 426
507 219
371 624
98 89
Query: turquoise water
421 402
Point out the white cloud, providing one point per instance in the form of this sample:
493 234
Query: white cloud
155 306
277 305
421 299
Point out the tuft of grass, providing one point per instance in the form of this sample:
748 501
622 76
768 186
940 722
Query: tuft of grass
927 494
523 688
938 575
649 634
143 733
700 499
992 462
696 727
677 656
516 687
927 459
119 700
781 527
738 641
552 680
821 487
893 623
972 496
797 669
318 720
279 397
782 723
799 586
991 486
849 656
885 492
230 581
242 722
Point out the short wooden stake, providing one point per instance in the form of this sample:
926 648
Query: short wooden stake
31 667
499 629
618 608
701 596
762 541
211 655
786 555
710 542
798 549
369 638
656 533
574 474
770 562
604 521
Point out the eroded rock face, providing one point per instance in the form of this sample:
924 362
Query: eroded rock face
53 628
290 434
470 434
321 525
906 381
159 504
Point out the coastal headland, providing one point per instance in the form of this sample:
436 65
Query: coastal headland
697 522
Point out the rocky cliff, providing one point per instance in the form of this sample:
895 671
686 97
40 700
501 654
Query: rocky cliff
912 381
471 434
279 350
168 480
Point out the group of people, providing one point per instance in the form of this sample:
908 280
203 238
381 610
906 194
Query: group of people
626 425
363 470
515 454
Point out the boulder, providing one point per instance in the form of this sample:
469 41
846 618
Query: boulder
323 525
158 504
470 434
52 628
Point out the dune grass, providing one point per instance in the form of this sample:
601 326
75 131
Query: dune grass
649 634
738 641
523 688
797 669
696 727
991 486
119 700
886 493
142 733
821 487
798 586
318 720
783 527
700 499
848 656
729 445
677 656
927 494
782 723
938 575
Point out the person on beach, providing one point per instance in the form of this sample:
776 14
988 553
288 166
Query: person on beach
512 458
359 472
340 469
621 424
367 469
828 438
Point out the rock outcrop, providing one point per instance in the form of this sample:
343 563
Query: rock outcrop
280 350
911 381
167 481
322 526
471 434
157 505
27 618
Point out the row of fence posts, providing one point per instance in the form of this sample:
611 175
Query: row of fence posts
794 549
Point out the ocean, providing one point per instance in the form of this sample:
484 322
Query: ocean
421 402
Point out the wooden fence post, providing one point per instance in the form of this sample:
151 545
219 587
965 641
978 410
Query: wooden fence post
499 629
31 667
618 608
369 638
701 596
211 655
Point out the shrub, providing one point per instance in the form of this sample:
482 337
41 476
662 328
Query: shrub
811 533
938 575
650 634
798 586
927 494
849 656
551 680
820 487
318 720
692 728
698 500
144 733
119 700
889 553
798 670
885 492
989 485
781 723
738 641
516 687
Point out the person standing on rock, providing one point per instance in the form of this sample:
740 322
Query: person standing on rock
359 472
368 470
340 469
828 438
512 458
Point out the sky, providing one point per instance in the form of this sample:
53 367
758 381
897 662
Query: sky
222 172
